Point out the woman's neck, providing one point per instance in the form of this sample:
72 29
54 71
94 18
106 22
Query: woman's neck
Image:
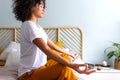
33 19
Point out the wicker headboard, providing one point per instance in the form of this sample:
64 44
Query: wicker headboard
72 37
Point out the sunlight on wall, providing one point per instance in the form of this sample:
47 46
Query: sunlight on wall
101 25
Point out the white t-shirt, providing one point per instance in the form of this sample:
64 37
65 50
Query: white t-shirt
31 56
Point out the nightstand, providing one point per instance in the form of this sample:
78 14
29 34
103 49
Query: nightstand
111 70
110 74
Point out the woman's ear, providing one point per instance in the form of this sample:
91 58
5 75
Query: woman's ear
37 5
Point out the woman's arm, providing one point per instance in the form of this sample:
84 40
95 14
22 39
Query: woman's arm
53 46
47 50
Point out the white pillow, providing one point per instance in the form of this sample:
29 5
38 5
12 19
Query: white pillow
13 58
12 45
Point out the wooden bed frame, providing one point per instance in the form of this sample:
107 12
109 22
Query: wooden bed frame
71 36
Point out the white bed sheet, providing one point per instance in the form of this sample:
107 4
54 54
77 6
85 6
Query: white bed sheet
8 73
99 76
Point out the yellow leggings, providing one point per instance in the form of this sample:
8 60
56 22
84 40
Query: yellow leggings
52 70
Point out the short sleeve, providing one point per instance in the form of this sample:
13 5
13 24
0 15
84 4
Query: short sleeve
32 31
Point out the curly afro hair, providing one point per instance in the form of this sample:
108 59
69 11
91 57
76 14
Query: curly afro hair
23 8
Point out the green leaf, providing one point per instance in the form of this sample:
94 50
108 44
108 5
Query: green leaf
119 59
116 45
113 51
110 54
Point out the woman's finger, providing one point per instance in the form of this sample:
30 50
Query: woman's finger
90 71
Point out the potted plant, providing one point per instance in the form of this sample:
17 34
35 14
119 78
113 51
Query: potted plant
114 50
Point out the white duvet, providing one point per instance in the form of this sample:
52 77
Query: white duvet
8 73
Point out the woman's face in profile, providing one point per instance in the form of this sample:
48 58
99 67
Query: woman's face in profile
38 10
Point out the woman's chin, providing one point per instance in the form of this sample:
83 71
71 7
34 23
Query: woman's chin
41 16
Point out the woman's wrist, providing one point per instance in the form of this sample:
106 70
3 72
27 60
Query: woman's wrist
70 64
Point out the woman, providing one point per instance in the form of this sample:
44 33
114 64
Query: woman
36 46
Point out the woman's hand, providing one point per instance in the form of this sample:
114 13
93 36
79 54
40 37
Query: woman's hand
82 68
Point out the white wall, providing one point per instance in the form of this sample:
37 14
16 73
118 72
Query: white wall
99 19
6 15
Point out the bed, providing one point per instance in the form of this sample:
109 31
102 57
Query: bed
70 36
